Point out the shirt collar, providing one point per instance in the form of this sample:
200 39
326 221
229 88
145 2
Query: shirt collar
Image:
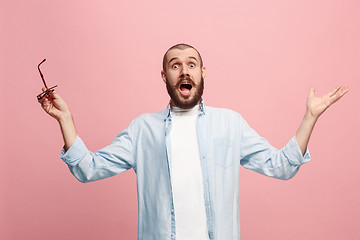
168 110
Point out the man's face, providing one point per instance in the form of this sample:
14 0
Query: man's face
184 77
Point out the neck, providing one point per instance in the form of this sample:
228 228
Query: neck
176 111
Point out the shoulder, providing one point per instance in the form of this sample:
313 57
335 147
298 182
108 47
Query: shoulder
156 116
149 119
221 112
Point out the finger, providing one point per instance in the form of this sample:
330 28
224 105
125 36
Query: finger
312 92
44 104
333 92
54 96
345 89
43 95
41 99
342 92
339 94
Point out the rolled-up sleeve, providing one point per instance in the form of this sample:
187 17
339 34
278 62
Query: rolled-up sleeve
75 153
293 153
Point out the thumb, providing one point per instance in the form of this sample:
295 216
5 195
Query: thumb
312 92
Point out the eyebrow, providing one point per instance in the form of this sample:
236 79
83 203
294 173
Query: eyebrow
175 58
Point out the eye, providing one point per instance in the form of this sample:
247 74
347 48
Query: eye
175 66
192 65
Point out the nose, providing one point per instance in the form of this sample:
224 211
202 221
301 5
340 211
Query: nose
184 71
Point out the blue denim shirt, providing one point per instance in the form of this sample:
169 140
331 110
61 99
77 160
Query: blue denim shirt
225 142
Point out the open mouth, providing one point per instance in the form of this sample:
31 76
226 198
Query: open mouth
185 87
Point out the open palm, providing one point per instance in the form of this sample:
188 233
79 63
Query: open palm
317 105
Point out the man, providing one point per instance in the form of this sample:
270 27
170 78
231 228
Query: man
187 157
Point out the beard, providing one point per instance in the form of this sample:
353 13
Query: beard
189 102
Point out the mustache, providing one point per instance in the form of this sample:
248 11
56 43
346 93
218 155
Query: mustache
185 79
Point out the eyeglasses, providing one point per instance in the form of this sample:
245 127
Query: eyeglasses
48 90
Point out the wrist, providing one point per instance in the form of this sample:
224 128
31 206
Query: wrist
309 117
65 117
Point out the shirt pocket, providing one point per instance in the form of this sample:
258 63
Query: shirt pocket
223 148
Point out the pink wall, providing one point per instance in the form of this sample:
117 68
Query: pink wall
261 58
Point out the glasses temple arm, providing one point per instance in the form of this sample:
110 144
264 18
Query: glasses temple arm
41 75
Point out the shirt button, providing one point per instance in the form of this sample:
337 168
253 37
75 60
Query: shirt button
172 210
172 234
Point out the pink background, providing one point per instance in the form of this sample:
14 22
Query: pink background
261 58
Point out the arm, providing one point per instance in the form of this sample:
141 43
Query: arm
315 106
87 166
258 155
56 107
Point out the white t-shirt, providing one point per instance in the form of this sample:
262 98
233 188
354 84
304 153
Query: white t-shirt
186 177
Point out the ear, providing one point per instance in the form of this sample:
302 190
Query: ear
203 72
163 76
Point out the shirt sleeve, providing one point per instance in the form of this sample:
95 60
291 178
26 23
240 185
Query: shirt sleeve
87 166
259 155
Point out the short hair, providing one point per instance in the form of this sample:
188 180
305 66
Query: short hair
181 46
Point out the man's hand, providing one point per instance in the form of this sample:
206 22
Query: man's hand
56 107
315 106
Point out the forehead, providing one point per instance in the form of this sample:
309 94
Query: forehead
182 54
